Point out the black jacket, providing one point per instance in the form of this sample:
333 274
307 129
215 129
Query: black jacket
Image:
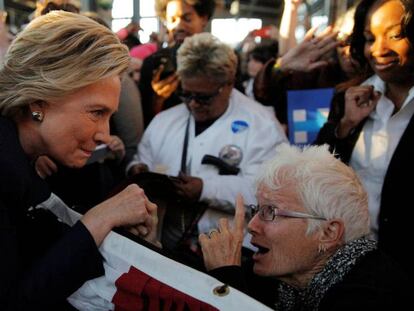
396 197
374 283
42 261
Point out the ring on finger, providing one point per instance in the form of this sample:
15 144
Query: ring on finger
210 233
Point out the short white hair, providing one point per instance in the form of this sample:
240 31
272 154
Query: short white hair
323 184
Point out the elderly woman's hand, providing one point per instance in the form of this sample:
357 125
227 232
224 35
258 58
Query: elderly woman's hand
129 208
311 53
222 247
45 166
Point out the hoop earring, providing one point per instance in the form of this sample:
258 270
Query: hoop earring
37 116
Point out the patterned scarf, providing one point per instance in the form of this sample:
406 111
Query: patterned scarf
342 262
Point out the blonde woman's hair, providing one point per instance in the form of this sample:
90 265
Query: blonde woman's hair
324 185
54 56
205 55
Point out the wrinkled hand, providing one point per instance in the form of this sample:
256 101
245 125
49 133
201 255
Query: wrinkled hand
223 247
116 145
45 166
310 54
360 101
189 187
129 208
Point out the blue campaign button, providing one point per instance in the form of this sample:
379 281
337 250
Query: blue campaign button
239 126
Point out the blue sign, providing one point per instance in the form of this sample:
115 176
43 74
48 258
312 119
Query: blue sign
307 112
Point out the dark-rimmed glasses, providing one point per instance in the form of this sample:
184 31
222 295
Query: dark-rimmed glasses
202 99
270 212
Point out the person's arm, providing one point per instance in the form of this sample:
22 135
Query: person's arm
129 208
64 268
310 54
222 247
156 90
163 89
346 119
9 263
73 260
288 24
231 275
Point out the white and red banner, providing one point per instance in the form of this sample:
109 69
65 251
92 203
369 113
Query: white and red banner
138 278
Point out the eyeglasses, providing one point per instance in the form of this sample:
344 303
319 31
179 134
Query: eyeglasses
270 212
202 99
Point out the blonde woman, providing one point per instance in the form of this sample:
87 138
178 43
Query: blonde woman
59 85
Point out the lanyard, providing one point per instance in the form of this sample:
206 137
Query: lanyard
185 147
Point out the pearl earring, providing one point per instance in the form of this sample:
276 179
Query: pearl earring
37 116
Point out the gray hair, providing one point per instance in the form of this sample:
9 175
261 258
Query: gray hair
324 185
204 55
54 56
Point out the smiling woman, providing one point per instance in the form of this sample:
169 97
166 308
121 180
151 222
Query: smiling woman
83 119
59 85
371 125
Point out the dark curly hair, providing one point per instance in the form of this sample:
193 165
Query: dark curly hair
358 39
202 7
265 51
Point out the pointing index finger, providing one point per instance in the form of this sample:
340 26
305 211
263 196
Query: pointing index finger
239 215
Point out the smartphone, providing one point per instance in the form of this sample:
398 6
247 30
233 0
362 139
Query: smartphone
99 154
167 58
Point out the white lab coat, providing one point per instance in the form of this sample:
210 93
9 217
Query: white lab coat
162 145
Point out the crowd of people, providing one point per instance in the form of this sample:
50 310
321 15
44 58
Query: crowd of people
176 146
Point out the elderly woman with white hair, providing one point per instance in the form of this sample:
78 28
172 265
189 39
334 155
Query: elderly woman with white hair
310 228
